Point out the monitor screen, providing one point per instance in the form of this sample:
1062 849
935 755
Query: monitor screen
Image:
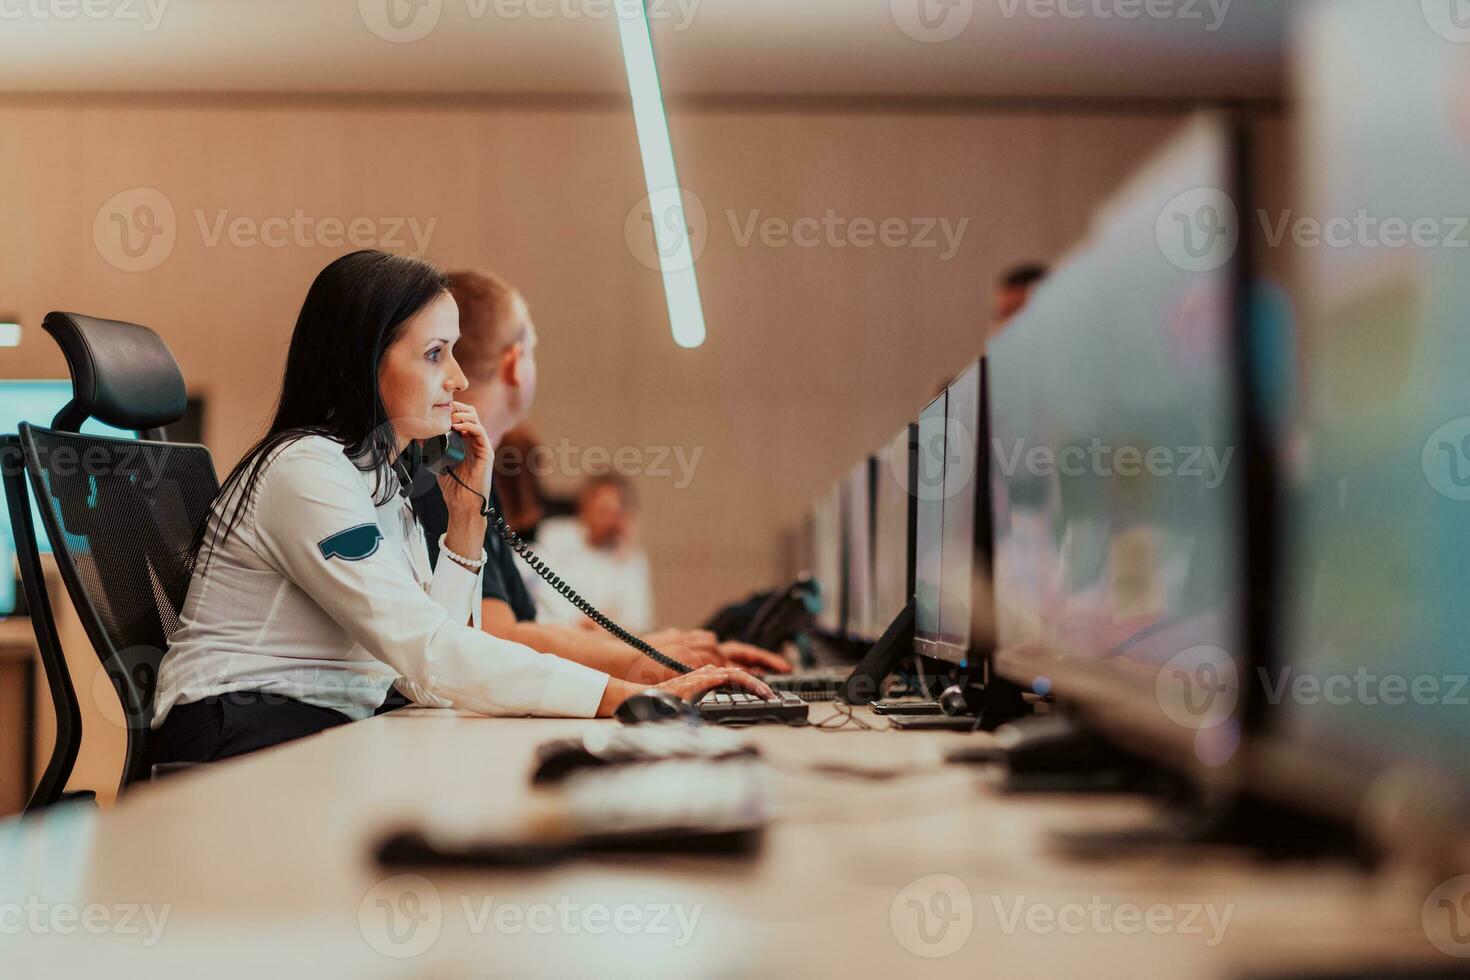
893 572
826 551
957 577
1377 496
928 490
1117 503
857 496
37 402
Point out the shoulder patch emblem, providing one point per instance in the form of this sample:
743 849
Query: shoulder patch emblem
353 544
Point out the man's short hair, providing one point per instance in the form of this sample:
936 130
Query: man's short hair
1023 276
608 478
493 317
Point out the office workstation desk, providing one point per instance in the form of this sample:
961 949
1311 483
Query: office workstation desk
263 866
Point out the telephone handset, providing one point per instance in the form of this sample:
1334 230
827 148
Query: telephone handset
442 454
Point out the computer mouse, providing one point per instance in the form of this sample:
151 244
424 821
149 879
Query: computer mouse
655 705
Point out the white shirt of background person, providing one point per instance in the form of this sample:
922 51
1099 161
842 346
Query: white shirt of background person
595 555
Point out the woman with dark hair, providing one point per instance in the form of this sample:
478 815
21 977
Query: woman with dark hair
311 601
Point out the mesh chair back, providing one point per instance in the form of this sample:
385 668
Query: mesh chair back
121 516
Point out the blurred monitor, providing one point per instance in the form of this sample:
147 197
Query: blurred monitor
964 594
893 521
190 426
928 490
857 499
1118 514
1376 467
826 553
38 402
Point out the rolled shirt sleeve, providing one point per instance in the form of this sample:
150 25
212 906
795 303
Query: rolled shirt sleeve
308 498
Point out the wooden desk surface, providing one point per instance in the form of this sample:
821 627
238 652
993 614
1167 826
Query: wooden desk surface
261 865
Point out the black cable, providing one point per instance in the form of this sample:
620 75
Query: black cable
844 717
514 542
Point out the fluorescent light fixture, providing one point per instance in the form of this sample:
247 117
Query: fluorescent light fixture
665 198
9 333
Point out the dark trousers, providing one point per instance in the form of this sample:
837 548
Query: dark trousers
244 721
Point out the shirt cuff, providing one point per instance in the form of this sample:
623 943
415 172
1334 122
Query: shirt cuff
457 589
572 690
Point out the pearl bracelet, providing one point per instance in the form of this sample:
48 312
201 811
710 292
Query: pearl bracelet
460 560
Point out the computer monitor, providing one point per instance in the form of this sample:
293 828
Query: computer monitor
1376 501
1119 514
893 528
36 402
928 490
857 502
826 551
965 599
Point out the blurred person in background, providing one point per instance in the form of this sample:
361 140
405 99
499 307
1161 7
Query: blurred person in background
1012 290
598 551
526 501
497 352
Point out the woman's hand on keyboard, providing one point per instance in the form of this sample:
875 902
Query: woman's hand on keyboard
693 685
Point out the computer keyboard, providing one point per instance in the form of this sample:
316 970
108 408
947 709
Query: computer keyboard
740 708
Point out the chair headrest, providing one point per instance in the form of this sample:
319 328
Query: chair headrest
121 373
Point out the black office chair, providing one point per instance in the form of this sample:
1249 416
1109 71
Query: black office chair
120 514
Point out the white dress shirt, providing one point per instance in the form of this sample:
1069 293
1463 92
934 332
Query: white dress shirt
291 605
616 581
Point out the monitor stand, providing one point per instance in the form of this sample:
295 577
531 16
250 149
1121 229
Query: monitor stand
896 644
1056 753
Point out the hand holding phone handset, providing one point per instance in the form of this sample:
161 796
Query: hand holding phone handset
441 455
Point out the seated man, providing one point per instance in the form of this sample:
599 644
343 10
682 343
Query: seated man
595 550
497 352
